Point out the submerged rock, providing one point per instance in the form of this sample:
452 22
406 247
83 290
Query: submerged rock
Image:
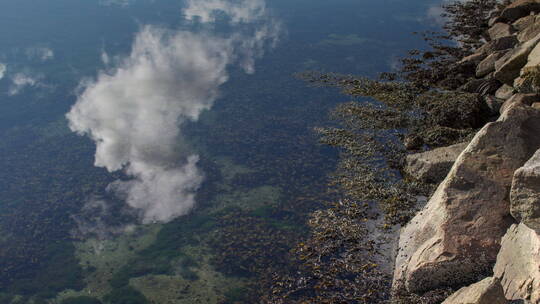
487 291
455 239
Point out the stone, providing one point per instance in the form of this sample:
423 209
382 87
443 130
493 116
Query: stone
533 61
500 44
474 58
519 9
455 238
494 104
524 22
525 193
504 92
499 30
536 105
495 19
524 99
508 67
518 264
487 65
529 32
525 85
433 166
487 291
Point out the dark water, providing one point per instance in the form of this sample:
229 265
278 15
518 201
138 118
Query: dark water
219 86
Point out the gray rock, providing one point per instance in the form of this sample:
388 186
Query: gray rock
499 30
500 44
487 291
525 99
494 104
529 32
487 65
519 9
433 166
525 193
504 92
524 22
508 67
456 236
533 60
518 264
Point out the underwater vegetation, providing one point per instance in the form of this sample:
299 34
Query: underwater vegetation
344 260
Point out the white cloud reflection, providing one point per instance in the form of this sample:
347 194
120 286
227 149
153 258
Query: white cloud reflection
134 112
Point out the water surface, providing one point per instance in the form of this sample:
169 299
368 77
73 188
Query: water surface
187 163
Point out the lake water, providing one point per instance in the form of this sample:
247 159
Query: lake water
163 150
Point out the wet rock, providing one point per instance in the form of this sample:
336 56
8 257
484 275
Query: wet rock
499 30
487 291
455 239
508 67
518 264
525 193
536 105
519 9
432 166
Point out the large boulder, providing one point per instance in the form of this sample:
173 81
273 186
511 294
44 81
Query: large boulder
525 193
455 239
508 67
487 291
433 166
518 264
519 9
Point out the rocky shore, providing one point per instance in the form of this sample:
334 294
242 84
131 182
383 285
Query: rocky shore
480 231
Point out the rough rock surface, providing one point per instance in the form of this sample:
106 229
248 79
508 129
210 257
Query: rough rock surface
487 291
533 60
518 264
499 30
499 44
529 32
504 92
432 166
509 66
524 22
525 193
525 99
456 237
487 65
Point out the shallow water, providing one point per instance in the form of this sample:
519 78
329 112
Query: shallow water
206 163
